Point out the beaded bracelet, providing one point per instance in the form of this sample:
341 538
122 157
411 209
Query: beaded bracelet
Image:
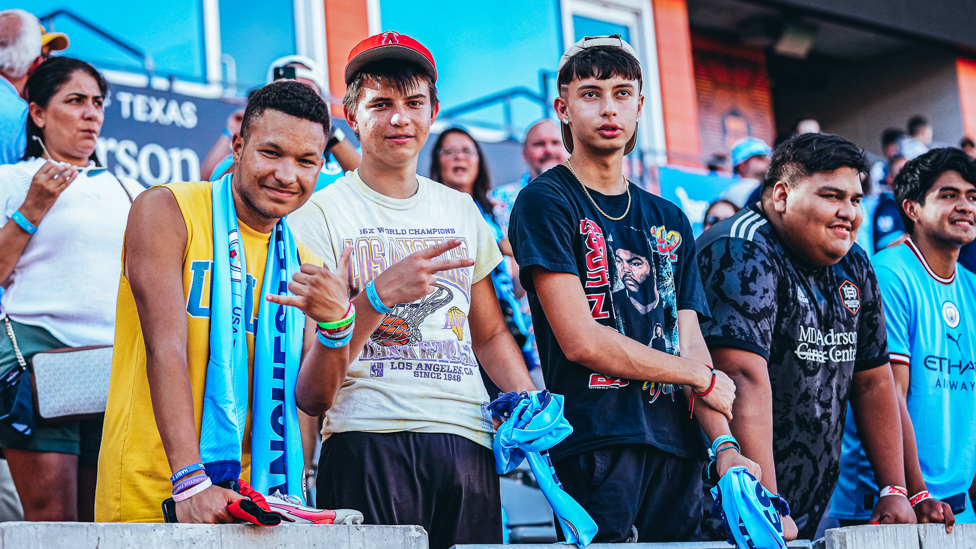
337 325
185 471
183 496
23 222
188 483
374 299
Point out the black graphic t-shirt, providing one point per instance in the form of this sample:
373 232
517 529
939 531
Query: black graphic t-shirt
815 326
637 274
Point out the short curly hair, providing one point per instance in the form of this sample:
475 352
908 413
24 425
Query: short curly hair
917 177
290 97
809 153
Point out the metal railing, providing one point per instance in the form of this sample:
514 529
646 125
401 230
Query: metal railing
142 55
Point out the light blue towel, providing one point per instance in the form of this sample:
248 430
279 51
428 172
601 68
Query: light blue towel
277 461
535 424
751 514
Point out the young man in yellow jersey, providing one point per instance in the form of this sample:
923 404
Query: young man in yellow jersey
192 401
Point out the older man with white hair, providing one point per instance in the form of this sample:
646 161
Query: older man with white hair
20 52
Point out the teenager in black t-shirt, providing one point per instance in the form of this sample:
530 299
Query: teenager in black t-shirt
615 295
797 322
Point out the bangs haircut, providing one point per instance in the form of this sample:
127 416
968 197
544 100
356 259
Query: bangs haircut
290 97
809 153
602 63
400 75
917 176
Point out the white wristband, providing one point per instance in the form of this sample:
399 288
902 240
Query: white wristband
182 496
893 491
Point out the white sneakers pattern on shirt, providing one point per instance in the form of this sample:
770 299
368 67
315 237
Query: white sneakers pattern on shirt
418 371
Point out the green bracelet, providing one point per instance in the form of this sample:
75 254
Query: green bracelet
346 320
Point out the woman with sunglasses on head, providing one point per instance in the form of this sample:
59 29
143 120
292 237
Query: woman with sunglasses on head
458 163
63 218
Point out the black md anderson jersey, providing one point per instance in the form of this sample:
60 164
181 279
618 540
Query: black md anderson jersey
815 326
637 274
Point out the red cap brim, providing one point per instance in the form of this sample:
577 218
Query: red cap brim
389 45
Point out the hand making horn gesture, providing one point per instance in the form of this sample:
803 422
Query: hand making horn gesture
321 294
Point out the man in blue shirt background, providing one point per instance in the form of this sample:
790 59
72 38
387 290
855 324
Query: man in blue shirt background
20 52
929 309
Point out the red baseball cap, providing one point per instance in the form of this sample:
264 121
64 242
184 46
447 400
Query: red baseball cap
389 45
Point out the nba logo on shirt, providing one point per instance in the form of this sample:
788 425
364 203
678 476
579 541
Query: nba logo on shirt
376 369
851 296
950 314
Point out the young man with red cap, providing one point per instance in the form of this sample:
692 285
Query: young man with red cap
407 433
615 295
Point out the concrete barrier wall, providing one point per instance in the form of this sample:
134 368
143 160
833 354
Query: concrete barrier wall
26 535
907 536
65 535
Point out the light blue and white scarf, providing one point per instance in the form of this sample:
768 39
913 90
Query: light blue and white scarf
277 462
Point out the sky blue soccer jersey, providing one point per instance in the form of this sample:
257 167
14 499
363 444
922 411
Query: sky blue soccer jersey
932 328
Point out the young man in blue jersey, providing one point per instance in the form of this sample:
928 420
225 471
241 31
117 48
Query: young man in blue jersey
929 308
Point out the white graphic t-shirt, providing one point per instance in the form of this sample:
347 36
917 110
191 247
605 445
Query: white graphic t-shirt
417 372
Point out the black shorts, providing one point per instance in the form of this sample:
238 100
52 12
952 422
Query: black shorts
637 485
445 483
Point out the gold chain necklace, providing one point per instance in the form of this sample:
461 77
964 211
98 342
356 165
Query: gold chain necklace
603 213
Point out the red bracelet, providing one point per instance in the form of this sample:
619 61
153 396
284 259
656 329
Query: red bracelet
919 497
712 385
691 405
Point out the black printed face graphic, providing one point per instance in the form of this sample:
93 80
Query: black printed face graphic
634 269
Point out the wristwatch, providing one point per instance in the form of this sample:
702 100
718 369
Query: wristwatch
335 138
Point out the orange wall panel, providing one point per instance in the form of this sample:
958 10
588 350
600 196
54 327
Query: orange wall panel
734 98
966 73
346 24
677 74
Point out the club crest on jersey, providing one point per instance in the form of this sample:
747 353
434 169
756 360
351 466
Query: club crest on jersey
850 296
599 381
390 37
950 314
454 319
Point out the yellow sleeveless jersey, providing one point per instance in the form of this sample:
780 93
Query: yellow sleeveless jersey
133 472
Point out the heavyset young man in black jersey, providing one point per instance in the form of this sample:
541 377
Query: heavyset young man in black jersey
610 268
797 322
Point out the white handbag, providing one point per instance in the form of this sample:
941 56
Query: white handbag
68 384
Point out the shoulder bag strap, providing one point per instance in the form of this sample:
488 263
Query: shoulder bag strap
124 189
13 339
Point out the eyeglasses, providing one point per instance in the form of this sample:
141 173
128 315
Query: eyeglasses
450 152
83 171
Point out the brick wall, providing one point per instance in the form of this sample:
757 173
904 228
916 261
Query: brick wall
966 73
734 98
346 24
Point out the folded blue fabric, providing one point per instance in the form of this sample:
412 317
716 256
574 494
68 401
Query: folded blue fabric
534 424
750 513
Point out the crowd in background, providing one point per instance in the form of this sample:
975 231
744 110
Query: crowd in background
60 284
